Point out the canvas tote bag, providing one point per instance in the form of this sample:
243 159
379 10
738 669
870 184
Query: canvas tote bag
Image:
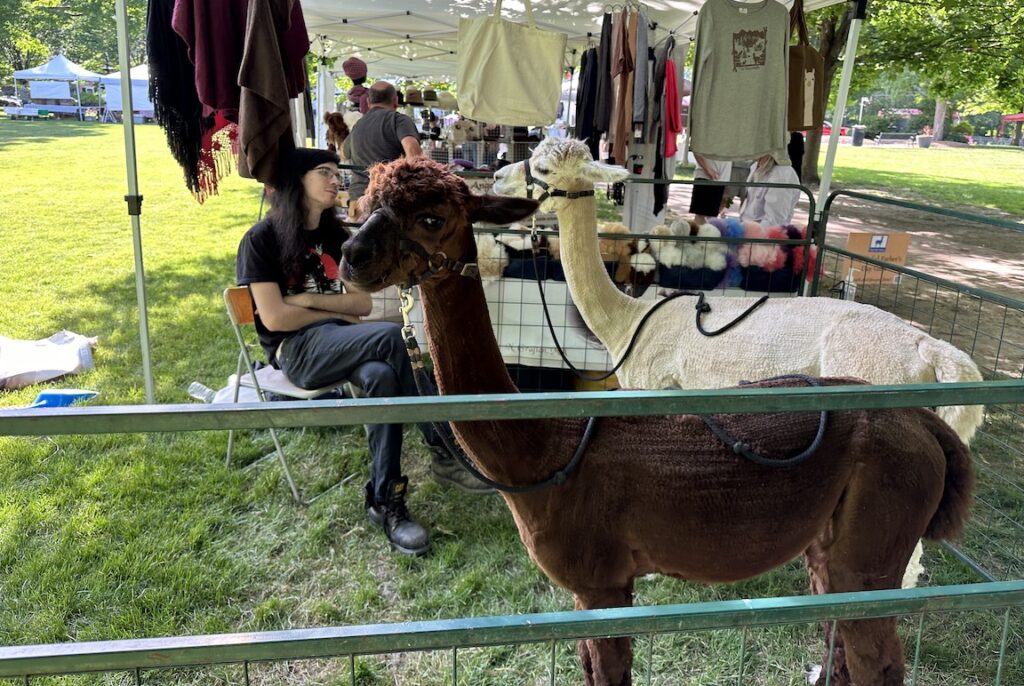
509 73
806 78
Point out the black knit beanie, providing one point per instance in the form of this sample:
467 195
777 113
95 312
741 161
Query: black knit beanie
294 164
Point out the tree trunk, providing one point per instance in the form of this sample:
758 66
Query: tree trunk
1016 132
831 44
939 124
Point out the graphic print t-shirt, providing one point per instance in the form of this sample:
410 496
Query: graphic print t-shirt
259 261
740 82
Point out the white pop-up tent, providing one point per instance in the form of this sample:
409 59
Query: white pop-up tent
140 90
418 38
58 69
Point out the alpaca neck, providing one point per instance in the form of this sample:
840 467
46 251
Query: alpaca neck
609 313
467 360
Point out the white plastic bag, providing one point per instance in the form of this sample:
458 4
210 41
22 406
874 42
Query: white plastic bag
23 363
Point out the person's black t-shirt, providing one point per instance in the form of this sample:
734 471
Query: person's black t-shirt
259 260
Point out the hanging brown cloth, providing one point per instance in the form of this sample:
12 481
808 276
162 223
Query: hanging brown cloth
272 72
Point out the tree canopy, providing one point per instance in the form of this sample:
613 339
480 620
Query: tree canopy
84 31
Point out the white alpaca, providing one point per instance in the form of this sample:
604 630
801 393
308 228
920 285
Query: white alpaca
814 336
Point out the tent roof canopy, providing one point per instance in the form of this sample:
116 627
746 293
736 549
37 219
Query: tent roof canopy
60 68
139 75
418 38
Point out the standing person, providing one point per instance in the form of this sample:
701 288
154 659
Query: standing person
706 201
770 206
309 327
382 135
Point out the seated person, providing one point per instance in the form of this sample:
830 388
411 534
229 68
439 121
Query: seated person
310 329
770 206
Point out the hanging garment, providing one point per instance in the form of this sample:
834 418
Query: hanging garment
275 45
509 73
586 100
640 72
673 123
172 90
741 58
214 33
622 75
655 101
806 107
604 95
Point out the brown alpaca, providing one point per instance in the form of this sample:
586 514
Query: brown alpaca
662 494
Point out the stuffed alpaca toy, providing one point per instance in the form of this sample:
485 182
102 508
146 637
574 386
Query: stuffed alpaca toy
492 258
668 253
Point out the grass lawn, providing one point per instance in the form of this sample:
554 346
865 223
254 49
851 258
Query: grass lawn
947 177
120 536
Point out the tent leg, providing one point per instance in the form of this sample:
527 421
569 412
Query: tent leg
133 198
841 98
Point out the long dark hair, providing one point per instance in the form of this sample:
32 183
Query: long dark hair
288 206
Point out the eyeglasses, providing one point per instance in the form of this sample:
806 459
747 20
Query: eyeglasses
328 173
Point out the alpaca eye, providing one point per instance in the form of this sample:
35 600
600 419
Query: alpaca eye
432 223
542 170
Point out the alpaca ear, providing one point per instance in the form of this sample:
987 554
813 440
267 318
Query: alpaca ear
598 171
501 209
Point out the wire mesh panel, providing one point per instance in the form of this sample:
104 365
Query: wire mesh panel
987 325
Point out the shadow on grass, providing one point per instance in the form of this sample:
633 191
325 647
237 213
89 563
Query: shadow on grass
189 333
16 132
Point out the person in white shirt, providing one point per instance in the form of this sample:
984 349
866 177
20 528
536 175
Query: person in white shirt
770 206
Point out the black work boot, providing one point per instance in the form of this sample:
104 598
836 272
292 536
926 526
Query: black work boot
405 534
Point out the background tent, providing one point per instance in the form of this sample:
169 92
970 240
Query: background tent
60 68
140 90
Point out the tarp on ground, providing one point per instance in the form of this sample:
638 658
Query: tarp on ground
60 68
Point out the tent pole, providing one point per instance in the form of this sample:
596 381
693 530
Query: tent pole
78 93
841 97
133 198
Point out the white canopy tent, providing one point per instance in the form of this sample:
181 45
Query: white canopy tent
418 38
59 68
140 90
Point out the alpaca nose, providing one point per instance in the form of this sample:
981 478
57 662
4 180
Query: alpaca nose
357 251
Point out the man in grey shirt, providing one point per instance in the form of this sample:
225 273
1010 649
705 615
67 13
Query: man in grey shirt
382 135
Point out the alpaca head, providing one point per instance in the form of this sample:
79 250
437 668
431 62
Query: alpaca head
562 163
419 215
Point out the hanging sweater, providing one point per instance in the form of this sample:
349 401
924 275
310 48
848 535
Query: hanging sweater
742 57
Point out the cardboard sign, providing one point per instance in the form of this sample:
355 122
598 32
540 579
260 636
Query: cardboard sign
885 247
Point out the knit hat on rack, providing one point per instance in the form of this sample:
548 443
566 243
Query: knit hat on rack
354 68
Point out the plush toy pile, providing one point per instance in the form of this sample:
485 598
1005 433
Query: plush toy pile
671 263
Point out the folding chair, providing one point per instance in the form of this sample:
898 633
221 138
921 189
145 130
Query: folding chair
265 380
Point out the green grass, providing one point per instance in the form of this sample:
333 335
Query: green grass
949 177
120 536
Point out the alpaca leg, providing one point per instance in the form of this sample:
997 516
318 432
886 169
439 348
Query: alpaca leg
865 557
816 560
606 661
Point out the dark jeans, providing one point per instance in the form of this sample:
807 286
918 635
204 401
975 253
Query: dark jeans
372 356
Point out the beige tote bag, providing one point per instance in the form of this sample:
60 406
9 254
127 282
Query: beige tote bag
509 73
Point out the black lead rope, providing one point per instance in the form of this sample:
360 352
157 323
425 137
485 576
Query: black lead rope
426 388
743 448
701 306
